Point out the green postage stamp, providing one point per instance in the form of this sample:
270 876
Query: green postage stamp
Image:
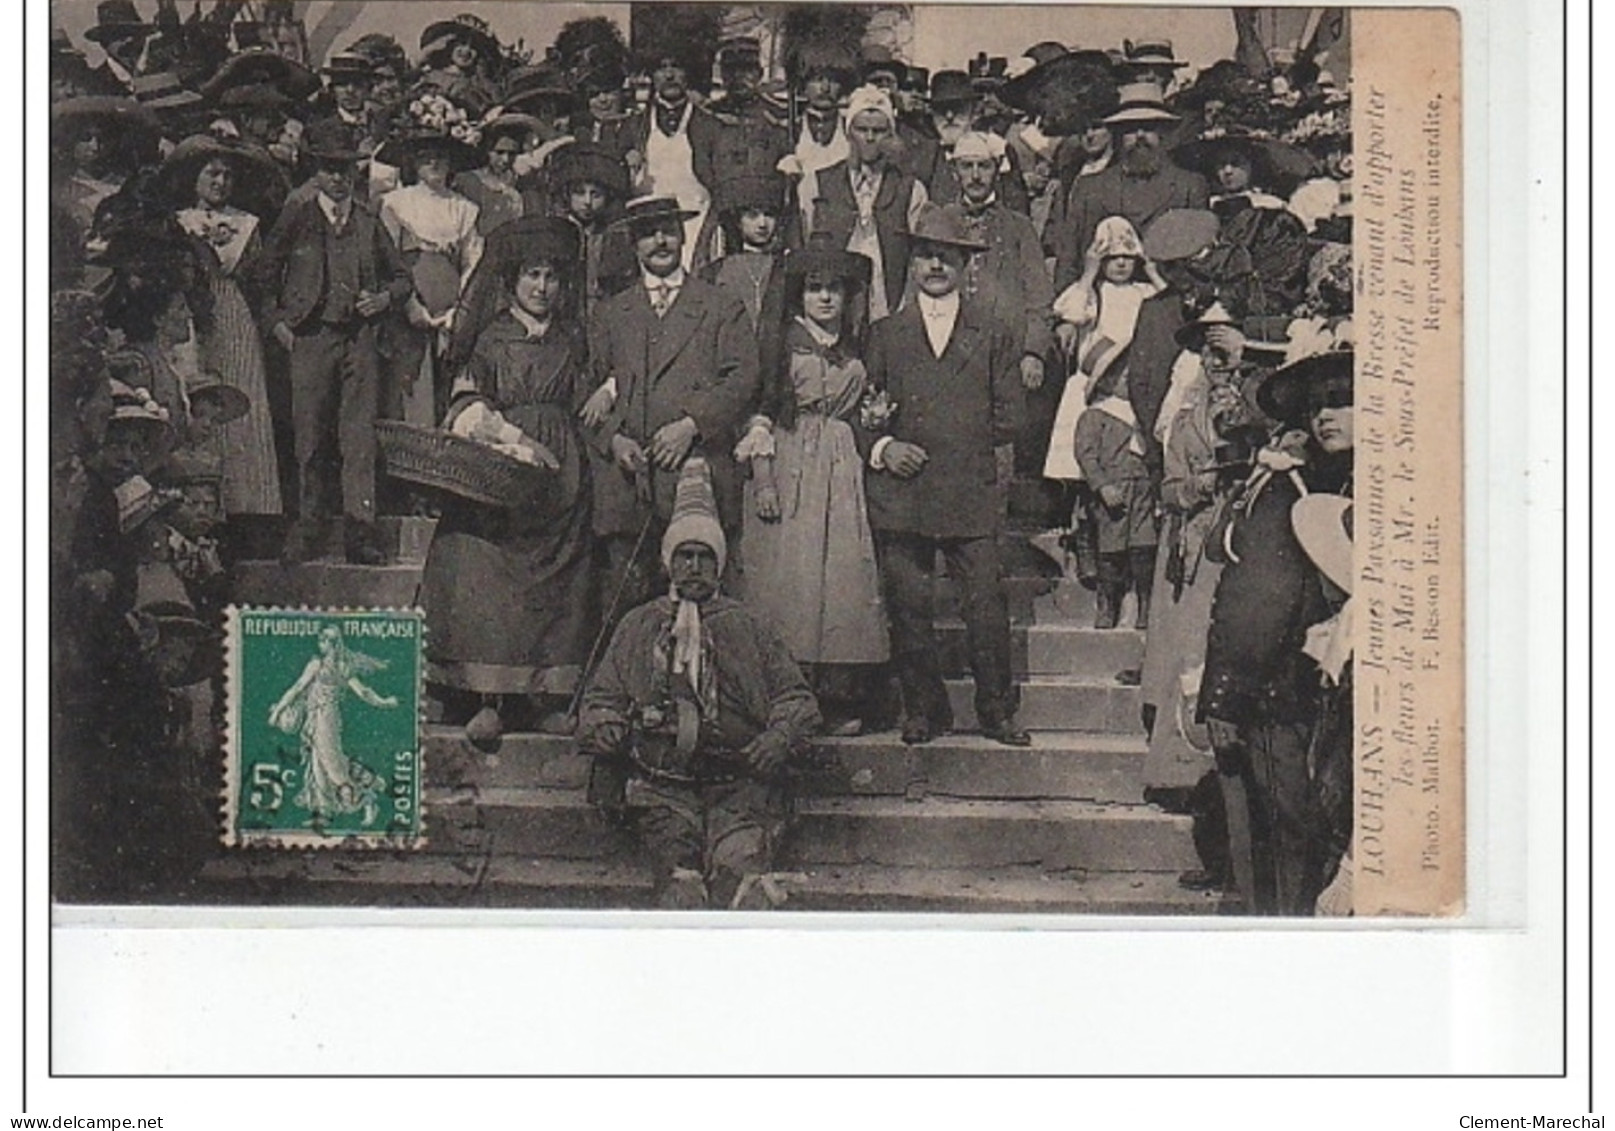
323 733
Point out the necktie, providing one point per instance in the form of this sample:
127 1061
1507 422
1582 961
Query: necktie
661 297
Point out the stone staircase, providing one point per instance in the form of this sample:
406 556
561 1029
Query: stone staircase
961 824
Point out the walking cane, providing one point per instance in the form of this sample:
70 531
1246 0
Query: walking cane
607 622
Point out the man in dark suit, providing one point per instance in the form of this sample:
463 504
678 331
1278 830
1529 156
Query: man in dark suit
938 461
676 362
331 273
1140 183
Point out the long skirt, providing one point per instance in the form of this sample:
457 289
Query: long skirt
508 593
234 351
1174 656
812 572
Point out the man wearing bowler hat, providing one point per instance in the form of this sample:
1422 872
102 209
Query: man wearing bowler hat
676 362
1140 183
938 445
330 274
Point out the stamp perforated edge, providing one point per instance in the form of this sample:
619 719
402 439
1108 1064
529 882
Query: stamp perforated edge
229 835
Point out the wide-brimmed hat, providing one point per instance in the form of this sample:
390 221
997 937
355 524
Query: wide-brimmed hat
331 139
175 181
765 192
163 91
952 88
509 123
1274 164
466 28
262 67
211 398
1140 102
652 210
405 149
115 20
554 238
176 626
830 57
1150 53
121 113
1053 66
988 72
943 224
823 257
1323 525
526 88
139 502
260 96
1180 233
1288 393
591 161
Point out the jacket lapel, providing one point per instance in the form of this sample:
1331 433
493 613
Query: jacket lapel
965 338
678 325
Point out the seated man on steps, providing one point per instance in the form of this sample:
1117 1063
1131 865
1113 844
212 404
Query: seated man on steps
693 717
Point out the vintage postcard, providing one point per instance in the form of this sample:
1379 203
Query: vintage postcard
982 459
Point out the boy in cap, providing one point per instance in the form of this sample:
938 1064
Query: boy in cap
693 718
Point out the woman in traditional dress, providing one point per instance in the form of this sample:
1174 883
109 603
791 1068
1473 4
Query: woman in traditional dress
204 178
436 230
508 592
809 555
333 783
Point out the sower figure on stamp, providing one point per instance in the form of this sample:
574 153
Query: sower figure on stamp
675 363
693 718
332 274
937 434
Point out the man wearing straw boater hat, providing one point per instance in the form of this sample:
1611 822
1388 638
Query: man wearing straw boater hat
675 364
693 718
938 438
1140 184
331 273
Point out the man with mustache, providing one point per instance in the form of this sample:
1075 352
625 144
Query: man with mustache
1140 183
868 202
941 452
676 368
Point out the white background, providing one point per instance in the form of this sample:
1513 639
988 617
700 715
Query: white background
280 996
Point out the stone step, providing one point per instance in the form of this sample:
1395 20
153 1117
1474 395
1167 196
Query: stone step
1050 649
936 833
1060 703
408 537
1070 766
930 833
326 584
994 891
472 823
404 879
415 880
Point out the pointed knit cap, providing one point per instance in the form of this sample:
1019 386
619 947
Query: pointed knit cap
695 514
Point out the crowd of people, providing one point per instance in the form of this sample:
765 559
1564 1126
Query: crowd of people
777 349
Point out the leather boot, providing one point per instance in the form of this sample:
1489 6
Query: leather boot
1142 560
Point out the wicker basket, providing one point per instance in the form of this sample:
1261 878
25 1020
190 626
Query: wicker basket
436 458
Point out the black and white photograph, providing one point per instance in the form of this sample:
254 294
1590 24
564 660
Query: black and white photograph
845 457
